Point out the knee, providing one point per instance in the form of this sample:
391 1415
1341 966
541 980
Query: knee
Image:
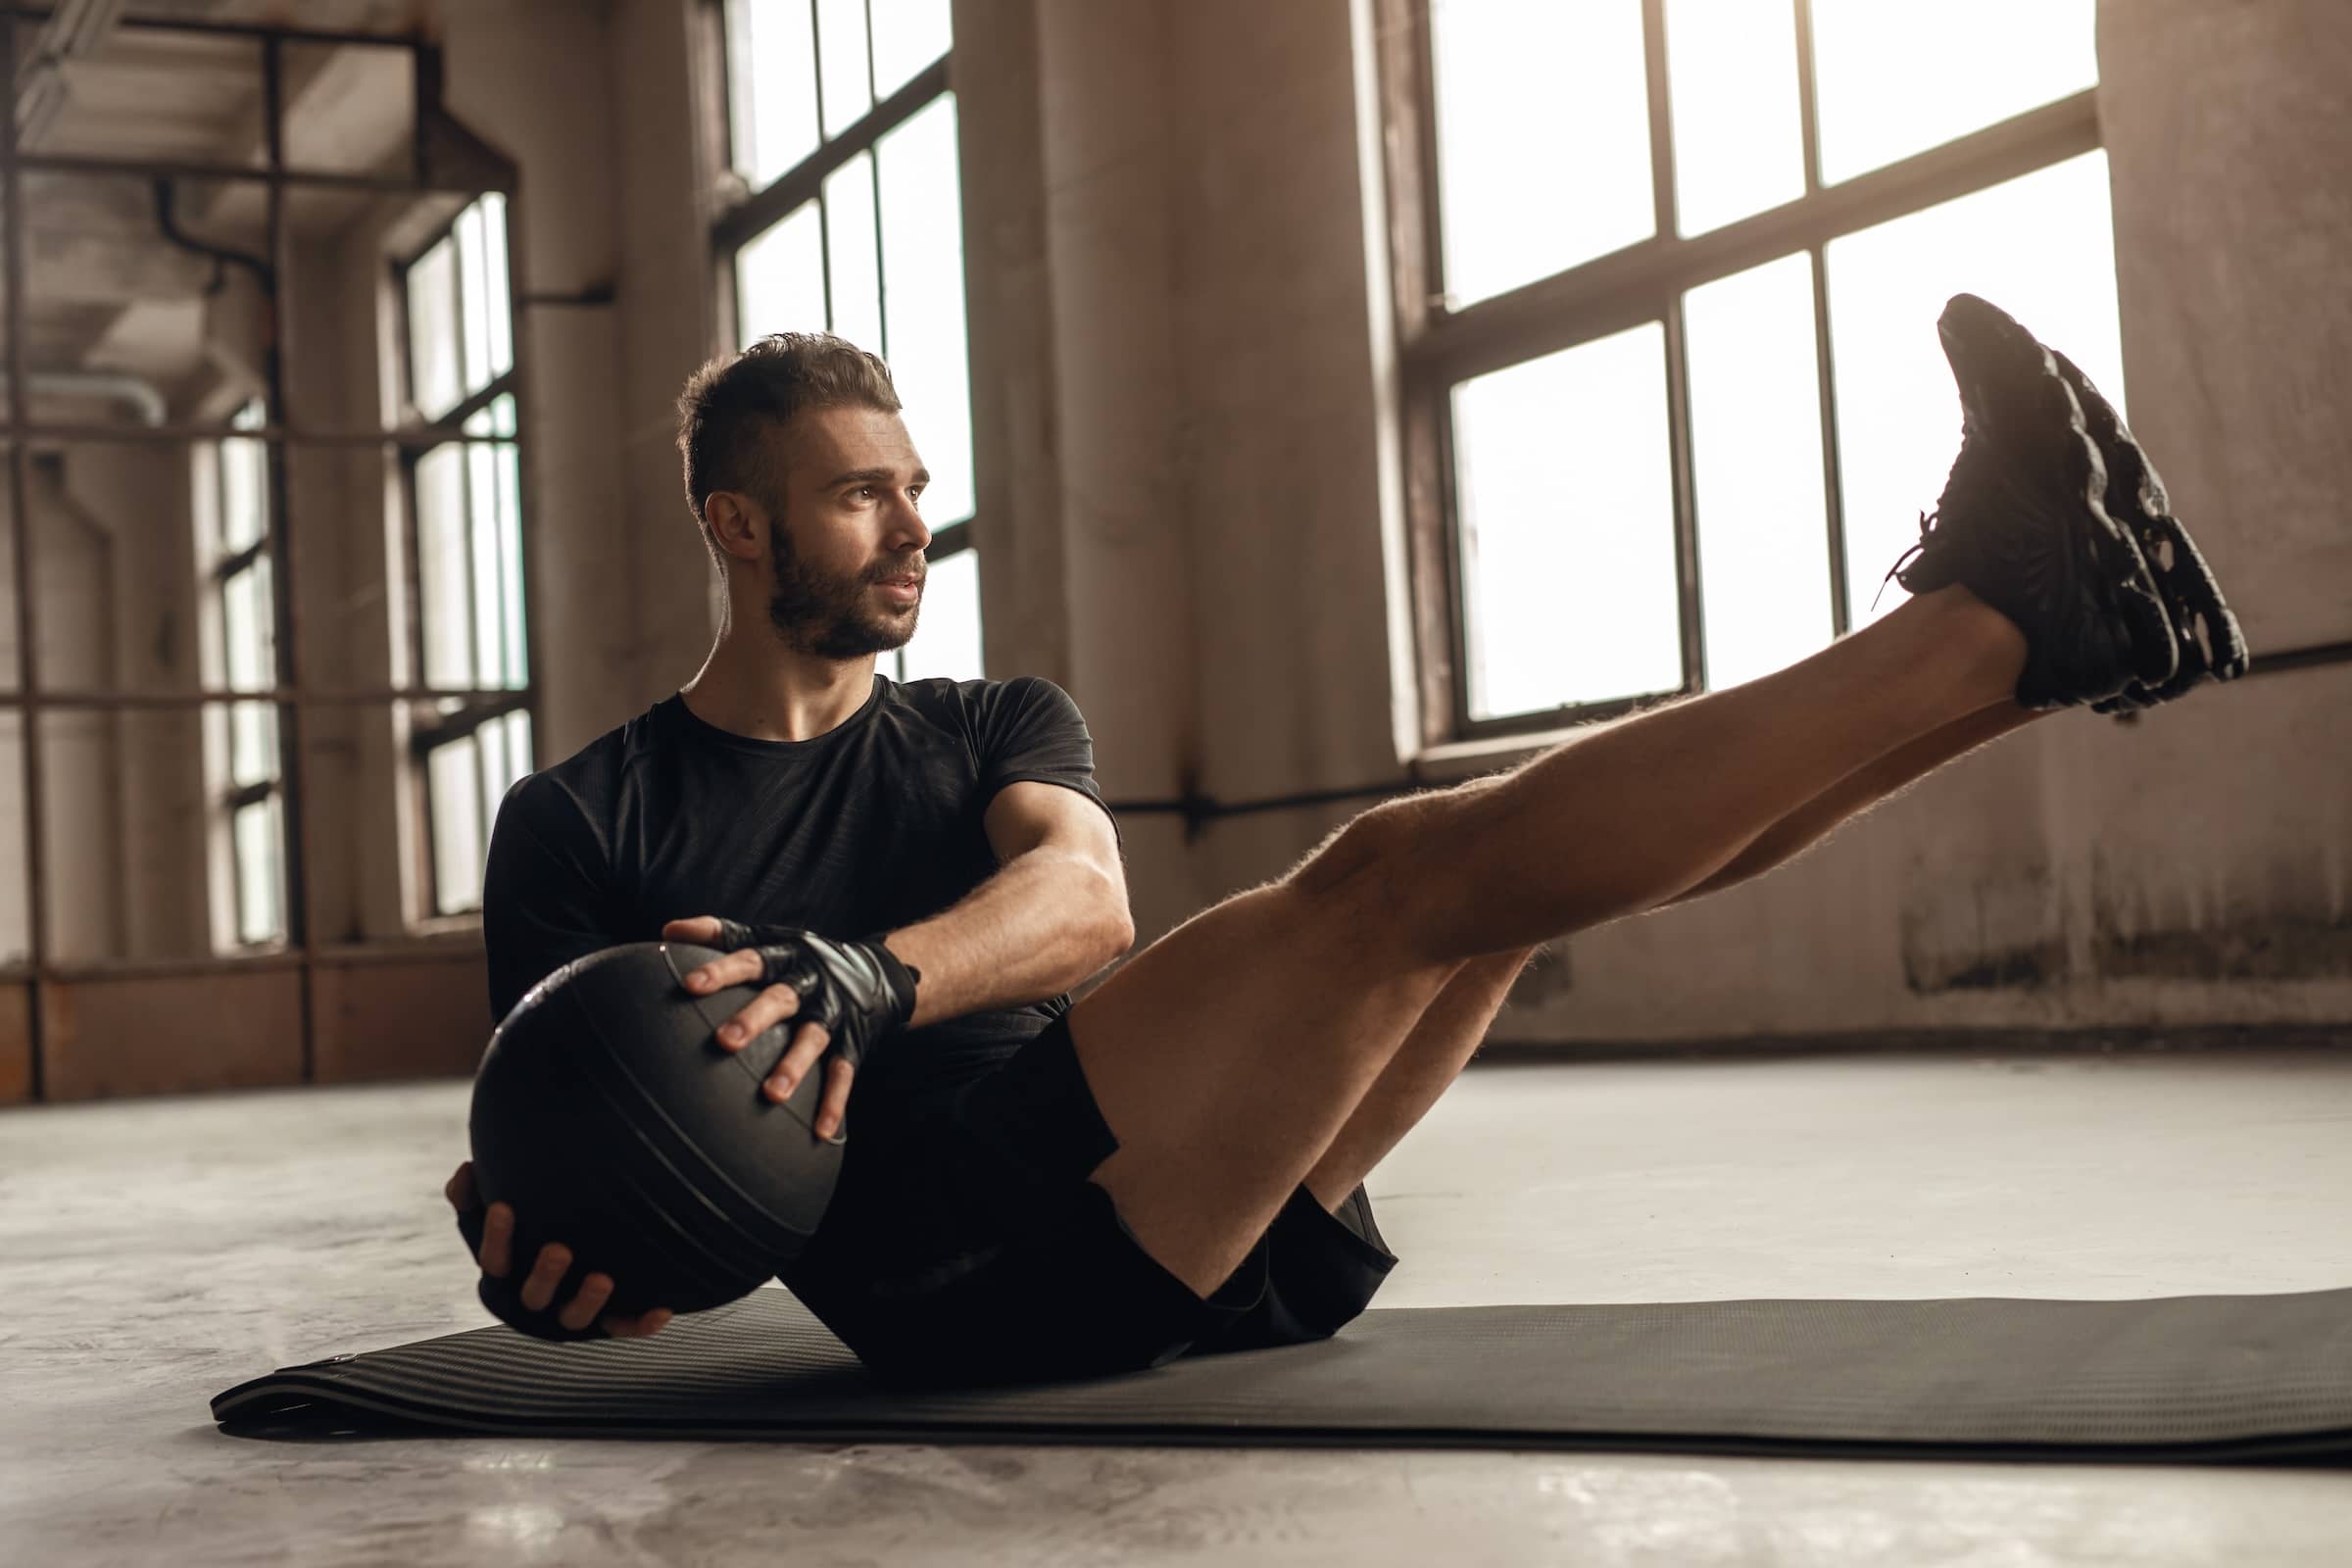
1367 852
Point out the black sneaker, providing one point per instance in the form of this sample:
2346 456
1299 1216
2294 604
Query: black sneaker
2023 522
2211 644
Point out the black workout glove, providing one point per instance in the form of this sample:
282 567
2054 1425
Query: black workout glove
859 990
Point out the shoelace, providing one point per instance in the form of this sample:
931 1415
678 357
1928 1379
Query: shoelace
1927 525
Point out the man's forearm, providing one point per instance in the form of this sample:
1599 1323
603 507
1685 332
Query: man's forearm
1042 924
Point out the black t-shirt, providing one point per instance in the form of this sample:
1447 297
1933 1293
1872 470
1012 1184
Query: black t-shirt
867 828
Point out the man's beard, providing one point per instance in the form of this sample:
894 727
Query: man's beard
830 618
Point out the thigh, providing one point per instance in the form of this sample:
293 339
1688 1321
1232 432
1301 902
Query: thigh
1227 1056
1322 1270
1015 1266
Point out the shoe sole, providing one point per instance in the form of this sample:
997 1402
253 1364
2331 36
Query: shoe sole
1990 353
2210 642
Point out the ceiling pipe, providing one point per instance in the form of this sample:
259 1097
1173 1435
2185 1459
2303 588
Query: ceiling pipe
135 393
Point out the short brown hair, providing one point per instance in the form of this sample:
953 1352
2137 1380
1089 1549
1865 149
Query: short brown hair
730 403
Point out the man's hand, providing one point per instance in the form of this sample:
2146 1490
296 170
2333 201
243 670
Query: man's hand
852 994
496 1226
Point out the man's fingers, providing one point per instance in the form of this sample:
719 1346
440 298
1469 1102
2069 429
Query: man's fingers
460 1190
639 1327
498 1240
834 1108
586 1301
546 1274
769 1007
703 928
808 1042
742 967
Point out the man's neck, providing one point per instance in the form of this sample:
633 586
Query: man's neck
771 693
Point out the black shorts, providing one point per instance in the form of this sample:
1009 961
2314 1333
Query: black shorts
975 1248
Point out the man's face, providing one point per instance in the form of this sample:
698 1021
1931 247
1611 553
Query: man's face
851 482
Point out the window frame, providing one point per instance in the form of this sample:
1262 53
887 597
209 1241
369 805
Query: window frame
758 209
1439 347
235 799
458 719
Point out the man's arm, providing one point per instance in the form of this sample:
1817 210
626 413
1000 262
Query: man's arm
1055 913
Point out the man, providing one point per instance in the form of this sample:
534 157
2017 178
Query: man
1175 1164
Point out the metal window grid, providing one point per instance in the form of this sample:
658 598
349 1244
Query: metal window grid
446 160
1441 347
748 219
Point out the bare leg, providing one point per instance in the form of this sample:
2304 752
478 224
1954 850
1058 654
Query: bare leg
1450 1030
1443 1041
1228 1055
1865 788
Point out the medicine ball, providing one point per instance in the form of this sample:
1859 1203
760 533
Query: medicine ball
607 1115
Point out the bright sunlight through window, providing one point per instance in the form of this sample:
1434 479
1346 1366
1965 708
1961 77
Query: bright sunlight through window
1563 463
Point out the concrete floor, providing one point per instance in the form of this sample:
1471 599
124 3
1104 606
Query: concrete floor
154 1253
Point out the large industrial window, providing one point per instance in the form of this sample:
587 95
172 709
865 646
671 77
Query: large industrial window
466 543
842 128
242 738
1667 288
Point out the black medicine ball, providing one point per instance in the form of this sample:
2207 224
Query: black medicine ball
607 1113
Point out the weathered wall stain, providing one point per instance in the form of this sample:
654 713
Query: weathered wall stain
2279 949
1999 932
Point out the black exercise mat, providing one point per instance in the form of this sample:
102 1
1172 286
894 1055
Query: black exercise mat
2181 1378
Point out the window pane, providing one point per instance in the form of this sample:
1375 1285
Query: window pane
771 87
472 304
947 635
1892 81
1566 502
515 661
486 547
1755 450
841 48
433 371
244 492
252 743
499 306
518 743
780 278
922 303
849 239
1543 120
445 608
248 628
16 913
455 805
260 871
1732 84
909 34
490 746
2040 247
506 750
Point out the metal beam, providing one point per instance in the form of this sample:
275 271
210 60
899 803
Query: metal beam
239 29
1633 286
807 178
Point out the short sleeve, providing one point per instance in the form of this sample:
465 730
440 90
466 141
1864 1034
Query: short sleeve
546 892
1029 728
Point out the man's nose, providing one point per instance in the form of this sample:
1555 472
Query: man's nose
905 519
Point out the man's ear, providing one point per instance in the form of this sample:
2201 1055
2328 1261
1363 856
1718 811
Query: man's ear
734 523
